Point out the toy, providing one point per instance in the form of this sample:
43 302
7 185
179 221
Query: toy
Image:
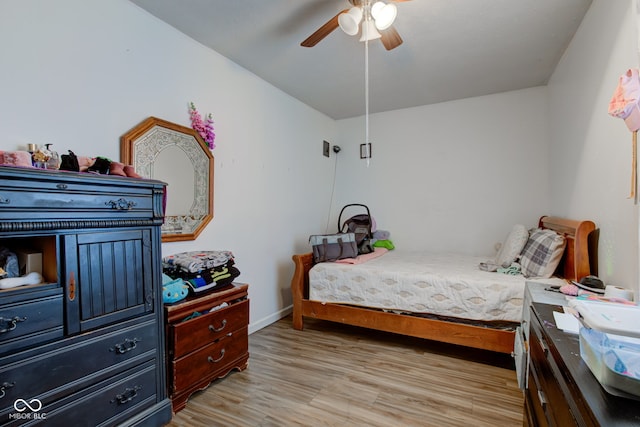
12 282
174 291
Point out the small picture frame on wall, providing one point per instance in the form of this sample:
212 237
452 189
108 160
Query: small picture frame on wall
365 151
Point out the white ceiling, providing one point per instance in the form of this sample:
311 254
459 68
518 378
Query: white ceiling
452 49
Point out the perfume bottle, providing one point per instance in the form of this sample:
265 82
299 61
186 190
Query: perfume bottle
32 148
54 159
40 157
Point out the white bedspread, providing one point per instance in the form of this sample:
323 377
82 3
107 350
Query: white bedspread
442 284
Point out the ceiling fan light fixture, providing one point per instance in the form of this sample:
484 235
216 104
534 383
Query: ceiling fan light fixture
369 31
349 21
384 14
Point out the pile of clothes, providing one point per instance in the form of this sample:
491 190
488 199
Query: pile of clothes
201 270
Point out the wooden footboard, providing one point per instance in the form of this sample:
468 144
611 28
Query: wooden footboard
419 327
300 286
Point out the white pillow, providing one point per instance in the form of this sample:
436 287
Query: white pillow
511 248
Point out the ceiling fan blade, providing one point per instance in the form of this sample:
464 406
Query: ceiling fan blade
323 31
390 38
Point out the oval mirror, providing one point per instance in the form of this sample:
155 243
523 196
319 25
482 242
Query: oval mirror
177 155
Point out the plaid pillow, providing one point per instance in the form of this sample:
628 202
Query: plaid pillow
542 253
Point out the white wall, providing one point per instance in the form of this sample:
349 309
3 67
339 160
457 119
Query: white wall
454 176
591 151
80 73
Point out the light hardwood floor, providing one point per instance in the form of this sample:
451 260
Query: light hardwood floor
337 375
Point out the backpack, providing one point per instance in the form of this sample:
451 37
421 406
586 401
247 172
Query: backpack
360 225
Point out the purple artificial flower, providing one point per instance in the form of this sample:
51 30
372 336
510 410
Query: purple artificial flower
205 129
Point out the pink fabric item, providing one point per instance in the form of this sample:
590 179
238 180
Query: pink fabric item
116 168
360 259
569 290
131 172
624 103
85 162
15 158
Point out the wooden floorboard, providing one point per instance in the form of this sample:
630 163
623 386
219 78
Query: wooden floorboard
336 375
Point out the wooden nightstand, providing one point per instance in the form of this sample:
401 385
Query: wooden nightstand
204 347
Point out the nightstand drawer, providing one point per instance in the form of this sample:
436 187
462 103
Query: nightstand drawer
26 323
193 334
214 359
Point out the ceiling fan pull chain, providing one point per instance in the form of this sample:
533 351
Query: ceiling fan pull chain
366 84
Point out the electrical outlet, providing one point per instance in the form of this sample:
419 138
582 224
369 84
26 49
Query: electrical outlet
325 148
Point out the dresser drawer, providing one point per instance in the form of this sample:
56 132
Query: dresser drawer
535 404
193 334
213 360
55 196
542 370
30 323
107 403
58 205
69 366
116 399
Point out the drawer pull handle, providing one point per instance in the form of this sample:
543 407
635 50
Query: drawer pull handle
128 395
125 346
5 385
545 348
7 325
212 360
121 204
543 398
4 201
214 329
61 186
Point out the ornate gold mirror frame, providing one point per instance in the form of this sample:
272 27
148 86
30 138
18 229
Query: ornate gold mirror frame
177 155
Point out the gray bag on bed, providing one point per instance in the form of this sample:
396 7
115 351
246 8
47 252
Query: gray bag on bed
332 247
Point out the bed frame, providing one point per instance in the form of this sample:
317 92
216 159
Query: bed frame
574 266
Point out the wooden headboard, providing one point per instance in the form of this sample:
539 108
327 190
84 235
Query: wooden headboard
575 263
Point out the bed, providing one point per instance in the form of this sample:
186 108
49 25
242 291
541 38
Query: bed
451 328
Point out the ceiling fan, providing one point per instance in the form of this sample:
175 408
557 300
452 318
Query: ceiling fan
375 18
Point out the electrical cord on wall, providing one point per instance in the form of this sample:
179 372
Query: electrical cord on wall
336 150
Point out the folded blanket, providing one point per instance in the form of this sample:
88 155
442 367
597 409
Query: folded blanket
381 235
196 261
377 252
514 269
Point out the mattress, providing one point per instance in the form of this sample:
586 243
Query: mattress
449 285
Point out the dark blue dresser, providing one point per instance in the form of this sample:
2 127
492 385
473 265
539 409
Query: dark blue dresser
86 346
